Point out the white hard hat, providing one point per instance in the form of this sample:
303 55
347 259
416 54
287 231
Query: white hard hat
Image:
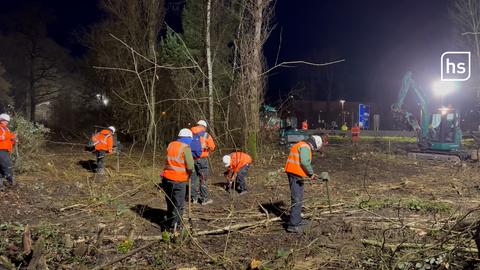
226 160
202 123
5 117
318 141
112 128
185 132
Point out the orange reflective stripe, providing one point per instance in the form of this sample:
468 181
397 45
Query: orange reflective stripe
178 157
175 168
293 161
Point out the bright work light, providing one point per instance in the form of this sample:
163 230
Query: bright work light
443 88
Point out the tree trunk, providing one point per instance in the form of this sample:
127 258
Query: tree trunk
152 40
255 89
209 64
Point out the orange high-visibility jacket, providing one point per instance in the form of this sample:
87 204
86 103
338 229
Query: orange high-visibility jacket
7 139
207 141
355 131
293 162
304 125
103 141
238 160
175 165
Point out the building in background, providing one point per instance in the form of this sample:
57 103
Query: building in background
323 114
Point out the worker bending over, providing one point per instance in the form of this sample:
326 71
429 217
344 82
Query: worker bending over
103 142
7 140
178 167
237 164
299 169
202 145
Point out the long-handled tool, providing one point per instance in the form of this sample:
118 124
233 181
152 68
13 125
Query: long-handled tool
325 177
328 197
190 203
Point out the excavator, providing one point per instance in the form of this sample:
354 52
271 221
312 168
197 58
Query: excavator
439 135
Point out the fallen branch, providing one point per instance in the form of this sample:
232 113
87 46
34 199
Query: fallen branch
393 247
72 206
245 225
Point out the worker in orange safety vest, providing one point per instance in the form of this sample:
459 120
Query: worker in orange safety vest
202 145
237 164
298 169
103 143
178 167
7 140
305 125
355 134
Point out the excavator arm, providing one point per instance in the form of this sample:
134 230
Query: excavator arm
400 113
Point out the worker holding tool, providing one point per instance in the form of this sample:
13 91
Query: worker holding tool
178 167
299 169
7 140
355 134
202 145
237 164
103 142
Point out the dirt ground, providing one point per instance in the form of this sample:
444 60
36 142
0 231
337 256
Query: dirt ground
388 212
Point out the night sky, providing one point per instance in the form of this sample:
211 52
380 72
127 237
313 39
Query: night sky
380 40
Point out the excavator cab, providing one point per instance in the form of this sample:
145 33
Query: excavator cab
444 132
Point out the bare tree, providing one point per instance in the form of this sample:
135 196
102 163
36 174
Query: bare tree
127 40
254 32
466 15
209 63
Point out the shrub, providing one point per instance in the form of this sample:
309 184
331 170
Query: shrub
31 138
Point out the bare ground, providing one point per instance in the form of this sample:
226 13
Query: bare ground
377 195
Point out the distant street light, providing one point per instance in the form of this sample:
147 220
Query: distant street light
342 101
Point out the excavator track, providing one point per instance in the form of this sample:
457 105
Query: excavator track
441 156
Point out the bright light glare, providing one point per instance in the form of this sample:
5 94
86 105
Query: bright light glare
105 101
444 110
443 88
342 101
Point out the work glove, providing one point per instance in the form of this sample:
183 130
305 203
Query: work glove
324 176
314 176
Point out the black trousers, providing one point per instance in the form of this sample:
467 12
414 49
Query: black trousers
5 167
175 197
296 194
241 175
100 155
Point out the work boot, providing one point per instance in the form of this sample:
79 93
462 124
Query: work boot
209 201
303 223
295 229
11 183
242 192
